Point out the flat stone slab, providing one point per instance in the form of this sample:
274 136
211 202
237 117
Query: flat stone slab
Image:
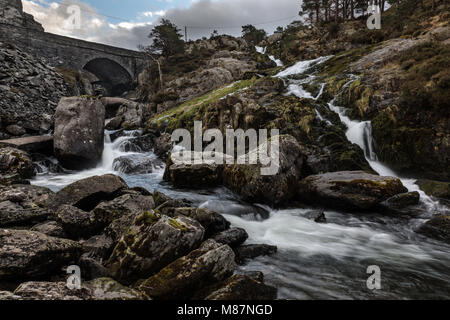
43 144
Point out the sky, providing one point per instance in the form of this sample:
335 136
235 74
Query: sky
127 23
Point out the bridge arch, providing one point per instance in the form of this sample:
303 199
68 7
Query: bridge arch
114 78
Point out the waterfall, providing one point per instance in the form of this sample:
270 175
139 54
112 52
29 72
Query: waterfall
358 132
262 50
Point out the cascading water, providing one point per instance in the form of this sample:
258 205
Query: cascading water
261 50
314 261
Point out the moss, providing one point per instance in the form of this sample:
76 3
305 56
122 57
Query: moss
149 218
174 223
186 112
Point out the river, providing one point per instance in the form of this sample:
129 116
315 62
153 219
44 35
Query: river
315 261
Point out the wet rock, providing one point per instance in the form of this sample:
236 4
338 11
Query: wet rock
107 211
233 237
279 187
15 130
253 251
209 264
352 190
50 228
23 205
86 194
160 199
16 162
25 254
193 175
434 188
98 289
437 228
240 287
210 220
402 201
151 243
162 146
316 215
137 164
76 223
99 246
79 132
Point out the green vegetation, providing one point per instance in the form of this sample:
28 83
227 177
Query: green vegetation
185 113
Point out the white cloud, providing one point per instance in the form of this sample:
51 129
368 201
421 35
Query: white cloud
202 17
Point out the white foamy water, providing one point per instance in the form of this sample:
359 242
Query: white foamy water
262 50
111 151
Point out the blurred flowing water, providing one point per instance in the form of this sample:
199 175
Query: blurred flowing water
315 261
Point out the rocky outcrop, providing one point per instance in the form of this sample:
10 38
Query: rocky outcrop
437 228
276 188
24 82
15 166
50 228
98 289
24 205
211 263
354 190
79 132
86 194
151 243
25 254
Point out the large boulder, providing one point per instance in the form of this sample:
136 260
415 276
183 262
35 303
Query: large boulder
79 132
50 228
86 194
25 254
98 289
195 175
151 243
76 222
209 264
248 181
23 205
15 166
107 211
437 228
352 190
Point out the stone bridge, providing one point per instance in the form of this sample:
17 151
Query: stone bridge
115 69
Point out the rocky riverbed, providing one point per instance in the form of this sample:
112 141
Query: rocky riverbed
110 199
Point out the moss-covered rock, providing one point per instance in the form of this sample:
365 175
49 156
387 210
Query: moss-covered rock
27 254
351 190
151 243
209 264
